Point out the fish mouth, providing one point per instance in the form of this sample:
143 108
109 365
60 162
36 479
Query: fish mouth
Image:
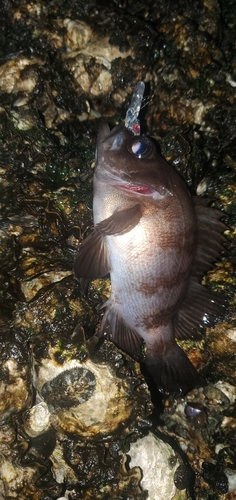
126 185
135 188
142 190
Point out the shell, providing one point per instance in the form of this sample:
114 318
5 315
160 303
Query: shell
88 398
160 466
37 419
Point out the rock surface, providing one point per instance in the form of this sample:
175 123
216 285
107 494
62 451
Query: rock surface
159 467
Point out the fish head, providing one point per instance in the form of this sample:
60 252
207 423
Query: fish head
131 163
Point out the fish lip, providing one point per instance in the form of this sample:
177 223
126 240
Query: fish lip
115 179
144 190
105 133
126 185
141 190
138 189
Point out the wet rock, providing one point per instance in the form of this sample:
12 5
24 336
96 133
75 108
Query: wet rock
79 34
215 477
19 75
183 477
159 468
15 383
199 420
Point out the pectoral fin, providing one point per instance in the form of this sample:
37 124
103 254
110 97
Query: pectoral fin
120 222
92 260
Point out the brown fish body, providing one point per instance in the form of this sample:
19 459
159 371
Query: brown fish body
146 237
150 264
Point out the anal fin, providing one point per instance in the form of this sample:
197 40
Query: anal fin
124 337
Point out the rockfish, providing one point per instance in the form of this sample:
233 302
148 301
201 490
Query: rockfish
156 241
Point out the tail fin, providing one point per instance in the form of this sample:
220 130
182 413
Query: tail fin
173 372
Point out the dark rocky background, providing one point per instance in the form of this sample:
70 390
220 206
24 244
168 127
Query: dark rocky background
64 66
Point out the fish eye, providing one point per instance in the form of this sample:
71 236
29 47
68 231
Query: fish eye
140 147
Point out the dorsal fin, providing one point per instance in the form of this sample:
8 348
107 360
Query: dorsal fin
202 307
210 242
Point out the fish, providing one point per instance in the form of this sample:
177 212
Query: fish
156 241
